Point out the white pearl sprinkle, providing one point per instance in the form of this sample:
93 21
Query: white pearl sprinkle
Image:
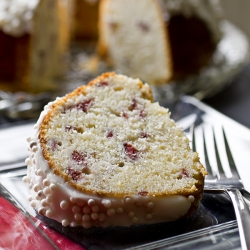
91 202
46 182
47 191
86 210
102 217
76 209
44 203
78 216
64 205
106 203
52 187
128 200
49 199
49 213
86 218
110 212
95 208
191 198
73 199
39 195
119 210
65 223
28 161
135 219
33 203
94 216
73 224
34 149
42 210
150 205
30 198
148 216
36 187
39 172
26 179
131 214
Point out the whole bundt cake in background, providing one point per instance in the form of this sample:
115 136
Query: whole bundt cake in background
155 40
158 40
107 155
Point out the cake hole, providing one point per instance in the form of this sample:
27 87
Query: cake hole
90 126
118 88
121 164
86 171
115 112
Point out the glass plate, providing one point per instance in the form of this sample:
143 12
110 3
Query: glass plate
213 226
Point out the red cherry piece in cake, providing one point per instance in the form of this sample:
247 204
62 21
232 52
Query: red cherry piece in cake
184 173
113 26
69 128
74 174
102 84
131 151
78 157
134 104
84 105
144 135
124 114
110 134
143 193
143 113
143 26
53 144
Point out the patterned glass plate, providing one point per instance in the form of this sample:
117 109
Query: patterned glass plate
212 226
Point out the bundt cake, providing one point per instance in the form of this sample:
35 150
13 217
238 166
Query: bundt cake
158 40
33 38
107 155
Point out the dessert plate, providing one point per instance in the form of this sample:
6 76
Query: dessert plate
212 226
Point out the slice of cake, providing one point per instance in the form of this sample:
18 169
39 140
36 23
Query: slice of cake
107 155
158 40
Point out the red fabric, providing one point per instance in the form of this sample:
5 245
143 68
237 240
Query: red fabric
17 232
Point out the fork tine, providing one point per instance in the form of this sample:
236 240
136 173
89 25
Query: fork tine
221 173
231 162
207 162
193 138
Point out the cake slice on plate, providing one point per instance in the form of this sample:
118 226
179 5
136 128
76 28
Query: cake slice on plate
107 155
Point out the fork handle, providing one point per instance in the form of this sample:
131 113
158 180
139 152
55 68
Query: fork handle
242 213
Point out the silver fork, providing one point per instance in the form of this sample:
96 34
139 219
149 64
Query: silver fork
218 182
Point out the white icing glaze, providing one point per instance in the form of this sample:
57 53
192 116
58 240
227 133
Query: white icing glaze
16 16
51 196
